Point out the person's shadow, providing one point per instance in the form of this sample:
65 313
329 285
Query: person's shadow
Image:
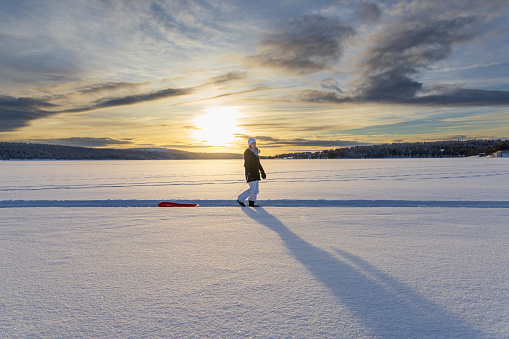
386 306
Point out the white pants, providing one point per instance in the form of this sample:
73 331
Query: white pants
250 193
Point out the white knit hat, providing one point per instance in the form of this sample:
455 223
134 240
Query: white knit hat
250 141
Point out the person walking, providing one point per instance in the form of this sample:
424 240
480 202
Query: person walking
253 169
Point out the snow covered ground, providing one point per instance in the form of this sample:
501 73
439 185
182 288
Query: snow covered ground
393 248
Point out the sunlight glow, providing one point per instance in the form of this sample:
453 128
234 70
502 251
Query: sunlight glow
218 126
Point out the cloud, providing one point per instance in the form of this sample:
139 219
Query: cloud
225 78
227 94
85 142
331 84
405 49
138 98
154 95
29 58
18 112
368 12
389 68
107 87
301 142
453 98
322 97
108 102
191 24
311 43
465 97
446 123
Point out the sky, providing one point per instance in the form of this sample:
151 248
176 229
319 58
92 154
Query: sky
206 75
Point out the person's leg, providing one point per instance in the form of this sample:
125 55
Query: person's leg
250 192
254 188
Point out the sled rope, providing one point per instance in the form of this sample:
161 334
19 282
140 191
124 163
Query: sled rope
236 194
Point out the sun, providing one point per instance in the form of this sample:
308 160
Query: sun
218 126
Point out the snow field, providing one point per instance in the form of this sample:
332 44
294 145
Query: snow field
274 272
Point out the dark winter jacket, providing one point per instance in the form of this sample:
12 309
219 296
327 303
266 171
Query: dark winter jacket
252 166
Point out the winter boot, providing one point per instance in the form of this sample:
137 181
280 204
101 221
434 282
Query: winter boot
252 204
241 203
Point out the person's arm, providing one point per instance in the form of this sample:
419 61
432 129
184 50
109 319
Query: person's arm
264 176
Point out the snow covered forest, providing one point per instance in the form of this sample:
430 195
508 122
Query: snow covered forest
28 151
434 149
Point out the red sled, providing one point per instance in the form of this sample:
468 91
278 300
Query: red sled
174 204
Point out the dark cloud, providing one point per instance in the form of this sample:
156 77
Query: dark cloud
107 87
230 76
85 142
368 12
131 99
331 84
322 96
311 43
455 98
404 50
18 112
399 54
466 97
137 98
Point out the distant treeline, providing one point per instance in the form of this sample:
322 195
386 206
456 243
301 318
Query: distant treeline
28 151
435 149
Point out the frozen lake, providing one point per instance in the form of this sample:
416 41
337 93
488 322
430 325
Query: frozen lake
390 248
470 179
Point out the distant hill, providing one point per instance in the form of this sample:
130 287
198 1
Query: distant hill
435 149
28 151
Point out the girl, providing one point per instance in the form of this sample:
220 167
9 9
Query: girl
253 169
